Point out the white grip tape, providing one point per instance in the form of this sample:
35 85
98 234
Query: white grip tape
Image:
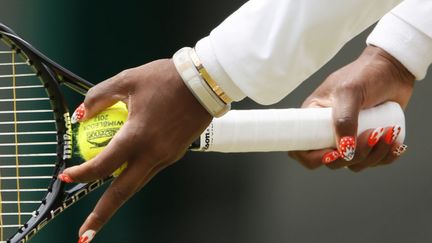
289 129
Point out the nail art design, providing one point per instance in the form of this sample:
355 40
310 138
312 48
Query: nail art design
399 150
65 178
392 134
375 136
331 156
347 147
87 236
78 114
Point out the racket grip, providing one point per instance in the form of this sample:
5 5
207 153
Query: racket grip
288 129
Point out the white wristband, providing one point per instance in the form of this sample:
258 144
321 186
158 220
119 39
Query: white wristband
197 85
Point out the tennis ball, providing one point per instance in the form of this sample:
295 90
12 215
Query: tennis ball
95 133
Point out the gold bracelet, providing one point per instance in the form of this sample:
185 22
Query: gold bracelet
208 79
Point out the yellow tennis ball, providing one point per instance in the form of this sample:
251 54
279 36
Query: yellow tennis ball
95 133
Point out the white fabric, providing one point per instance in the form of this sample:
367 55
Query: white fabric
268 47
406 33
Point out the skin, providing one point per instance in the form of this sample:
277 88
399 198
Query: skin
164 119
373 78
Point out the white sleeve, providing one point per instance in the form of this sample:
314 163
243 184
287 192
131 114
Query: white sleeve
266 48
406 34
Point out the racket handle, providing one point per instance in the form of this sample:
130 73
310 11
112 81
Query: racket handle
288 129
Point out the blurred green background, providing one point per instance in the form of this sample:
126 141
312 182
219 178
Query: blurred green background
227 197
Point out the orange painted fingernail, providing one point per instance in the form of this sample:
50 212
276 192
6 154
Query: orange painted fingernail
78 114
347 146
392 134
399 150
331 156
87 236
65 178
375 136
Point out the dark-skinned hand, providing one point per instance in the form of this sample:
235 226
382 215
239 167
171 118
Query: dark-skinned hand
164 119
373 78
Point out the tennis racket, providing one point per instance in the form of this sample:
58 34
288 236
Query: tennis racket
36 136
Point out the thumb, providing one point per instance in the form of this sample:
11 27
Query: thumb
345 119
103 95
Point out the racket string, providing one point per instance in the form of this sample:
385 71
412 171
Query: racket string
28 141
17 179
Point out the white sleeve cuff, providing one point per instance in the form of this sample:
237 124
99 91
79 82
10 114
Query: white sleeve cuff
208 59
404 42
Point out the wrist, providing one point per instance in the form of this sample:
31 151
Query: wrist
379 56
405 42
182 94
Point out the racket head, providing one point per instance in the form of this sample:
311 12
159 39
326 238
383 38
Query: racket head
30 80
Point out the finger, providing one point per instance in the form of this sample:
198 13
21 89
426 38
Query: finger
314 158
397 151
380 150
102 96
122 188
345 117
119 150
365 142
105 209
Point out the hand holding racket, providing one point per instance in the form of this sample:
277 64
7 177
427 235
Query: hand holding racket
36 136
36 146
164 119
370 80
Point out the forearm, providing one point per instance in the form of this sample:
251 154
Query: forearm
267 48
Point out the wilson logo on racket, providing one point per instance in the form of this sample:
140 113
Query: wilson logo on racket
206 141
67 138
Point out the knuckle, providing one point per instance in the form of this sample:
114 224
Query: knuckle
99 170
121 81
350 87
345 121
97 219
118 195
90 96
125 76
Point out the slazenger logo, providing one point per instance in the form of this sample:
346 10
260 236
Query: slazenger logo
93 137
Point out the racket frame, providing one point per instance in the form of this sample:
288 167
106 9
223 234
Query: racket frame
52 76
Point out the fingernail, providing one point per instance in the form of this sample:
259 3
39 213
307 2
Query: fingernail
392 134
87 236
65 178
399 150
347 147
78 114
375 136
331 156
